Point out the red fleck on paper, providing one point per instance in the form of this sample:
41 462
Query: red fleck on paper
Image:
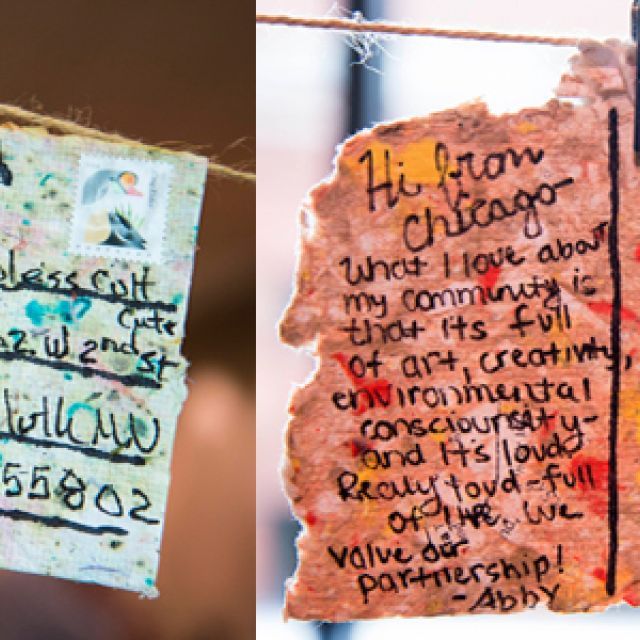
470 438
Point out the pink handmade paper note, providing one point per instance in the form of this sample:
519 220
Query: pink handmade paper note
469 441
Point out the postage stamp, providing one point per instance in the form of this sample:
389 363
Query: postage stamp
121 208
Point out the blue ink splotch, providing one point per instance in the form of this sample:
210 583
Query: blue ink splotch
66 311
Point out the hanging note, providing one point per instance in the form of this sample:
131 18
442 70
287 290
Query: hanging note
96 254
470 438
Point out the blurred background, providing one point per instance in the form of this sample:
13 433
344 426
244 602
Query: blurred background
167 70
311 92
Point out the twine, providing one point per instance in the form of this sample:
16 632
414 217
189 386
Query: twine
69 127
351 25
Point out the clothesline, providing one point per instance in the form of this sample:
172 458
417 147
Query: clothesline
357 25
13 112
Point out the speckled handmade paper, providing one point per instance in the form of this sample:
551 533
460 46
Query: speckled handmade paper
469 442
96 255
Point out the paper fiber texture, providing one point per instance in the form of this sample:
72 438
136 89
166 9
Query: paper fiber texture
96 254
469 442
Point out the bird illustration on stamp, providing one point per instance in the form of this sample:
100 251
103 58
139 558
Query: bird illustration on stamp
109 184
102 182
123 234
118 211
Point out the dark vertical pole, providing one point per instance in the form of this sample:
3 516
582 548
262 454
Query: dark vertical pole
334 630
365 85
364 108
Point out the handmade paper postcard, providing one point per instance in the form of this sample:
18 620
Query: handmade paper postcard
96 255
469 442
